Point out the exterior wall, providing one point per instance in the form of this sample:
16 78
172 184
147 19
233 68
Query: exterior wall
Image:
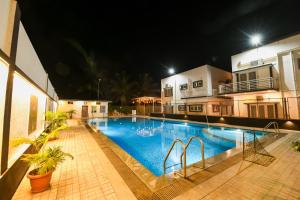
7 10
64 106
3 82
28 60
22 90
283 55
241 61
206 95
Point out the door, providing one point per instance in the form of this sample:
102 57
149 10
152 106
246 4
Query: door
261 111
84 112
243 82
252 80
271 111
253 111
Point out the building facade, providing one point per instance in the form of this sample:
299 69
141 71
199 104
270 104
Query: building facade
84 109
26 93
266 81
195 92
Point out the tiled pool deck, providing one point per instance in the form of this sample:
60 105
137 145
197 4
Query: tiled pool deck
96 173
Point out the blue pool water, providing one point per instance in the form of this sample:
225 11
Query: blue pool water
148 140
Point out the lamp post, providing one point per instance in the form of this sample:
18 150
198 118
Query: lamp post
98 92
171 71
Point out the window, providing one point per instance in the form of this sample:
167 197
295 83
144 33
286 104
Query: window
168 92
181 107
70 102
98 102
102 109
94 109
197 84
196 108
33 110
216 108
183 86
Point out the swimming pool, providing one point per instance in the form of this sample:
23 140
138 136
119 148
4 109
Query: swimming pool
148 140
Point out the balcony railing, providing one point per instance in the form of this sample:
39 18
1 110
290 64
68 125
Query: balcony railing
249 86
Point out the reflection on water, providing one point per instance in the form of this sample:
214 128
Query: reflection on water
148 140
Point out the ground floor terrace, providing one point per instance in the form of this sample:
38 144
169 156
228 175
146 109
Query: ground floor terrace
98 173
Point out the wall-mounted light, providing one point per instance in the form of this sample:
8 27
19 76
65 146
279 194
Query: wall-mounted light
255 40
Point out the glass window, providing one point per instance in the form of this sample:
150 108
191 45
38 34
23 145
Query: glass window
197 84
181 107
216 108
168 92
102 109
196 108
94 109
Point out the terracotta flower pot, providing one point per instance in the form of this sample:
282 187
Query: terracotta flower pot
39 183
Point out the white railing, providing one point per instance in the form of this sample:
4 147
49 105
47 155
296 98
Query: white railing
248 86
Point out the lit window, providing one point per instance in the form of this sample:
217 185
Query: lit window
102 109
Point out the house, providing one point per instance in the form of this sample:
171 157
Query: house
146 105
84 108
266 80
26 93
195 92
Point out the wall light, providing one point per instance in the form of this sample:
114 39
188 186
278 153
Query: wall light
171 70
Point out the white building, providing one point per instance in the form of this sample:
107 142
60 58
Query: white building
195 92
84 108
26 93
266 80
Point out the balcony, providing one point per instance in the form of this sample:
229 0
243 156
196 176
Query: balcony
268 83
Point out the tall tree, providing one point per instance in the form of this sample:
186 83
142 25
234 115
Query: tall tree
147 86
122 88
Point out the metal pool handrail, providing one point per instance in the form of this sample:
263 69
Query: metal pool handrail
275 125
168 154
184 153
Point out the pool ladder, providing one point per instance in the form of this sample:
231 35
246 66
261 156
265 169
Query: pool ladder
183 155
275 126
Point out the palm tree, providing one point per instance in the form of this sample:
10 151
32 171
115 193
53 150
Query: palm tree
122 87
147 85
89 58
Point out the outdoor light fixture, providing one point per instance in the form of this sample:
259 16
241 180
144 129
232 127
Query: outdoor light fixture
171 70
256 40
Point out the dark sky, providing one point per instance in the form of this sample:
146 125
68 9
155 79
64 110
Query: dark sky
149 35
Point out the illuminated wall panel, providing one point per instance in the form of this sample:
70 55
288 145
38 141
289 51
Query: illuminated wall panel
20 113
3 81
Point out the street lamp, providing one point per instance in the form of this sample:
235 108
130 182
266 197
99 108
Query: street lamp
98 92
172 71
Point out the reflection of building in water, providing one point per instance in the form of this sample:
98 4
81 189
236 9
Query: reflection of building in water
100 122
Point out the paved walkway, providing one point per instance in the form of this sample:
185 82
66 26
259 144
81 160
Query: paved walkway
280 180
89 176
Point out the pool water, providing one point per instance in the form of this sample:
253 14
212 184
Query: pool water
148 140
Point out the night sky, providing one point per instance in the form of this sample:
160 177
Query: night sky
146 36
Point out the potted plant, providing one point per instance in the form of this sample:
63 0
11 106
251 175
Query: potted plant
296 145
71 113
55 120
44 163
